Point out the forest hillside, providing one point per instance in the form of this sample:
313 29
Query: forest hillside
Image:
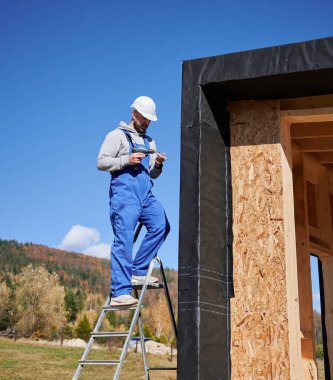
51 293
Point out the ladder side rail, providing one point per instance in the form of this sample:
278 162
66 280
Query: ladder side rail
142 341
134 321
167 296
137 232
91 340
101 316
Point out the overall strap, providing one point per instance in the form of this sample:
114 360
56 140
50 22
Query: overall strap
145 138
146 160
147 146
129 138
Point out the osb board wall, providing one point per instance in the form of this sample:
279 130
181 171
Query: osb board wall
259 316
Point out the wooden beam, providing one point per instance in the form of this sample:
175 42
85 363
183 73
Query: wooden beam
320 250
311 203
321 144
326 157
321 101
330 180
308 115
324 208
311 130
314 232
311 166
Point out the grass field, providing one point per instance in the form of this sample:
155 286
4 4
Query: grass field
22 361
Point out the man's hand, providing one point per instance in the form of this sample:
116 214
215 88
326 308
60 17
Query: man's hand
161 157
135 158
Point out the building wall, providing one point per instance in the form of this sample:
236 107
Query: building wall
264 312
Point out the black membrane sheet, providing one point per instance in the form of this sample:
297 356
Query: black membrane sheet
205 246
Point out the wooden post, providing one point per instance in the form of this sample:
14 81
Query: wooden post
291 256
327 268
309 369
325 225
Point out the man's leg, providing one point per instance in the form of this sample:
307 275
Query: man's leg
123 221
154 219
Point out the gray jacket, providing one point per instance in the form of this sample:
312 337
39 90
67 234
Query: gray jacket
114 151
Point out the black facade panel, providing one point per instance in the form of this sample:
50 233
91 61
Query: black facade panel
214 353
188 242
205 272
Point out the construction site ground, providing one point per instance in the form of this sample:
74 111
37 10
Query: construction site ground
32 360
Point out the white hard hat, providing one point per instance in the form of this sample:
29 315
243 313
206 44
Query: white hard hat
146 107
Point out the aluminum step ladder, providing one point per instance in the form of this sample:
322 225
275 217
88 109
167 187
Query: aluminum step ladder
128 334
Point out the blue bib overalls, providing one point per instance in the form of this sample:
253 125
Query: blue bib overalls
131 200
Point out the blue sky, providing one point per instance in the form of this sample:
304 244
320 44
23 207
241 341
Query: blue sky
69 72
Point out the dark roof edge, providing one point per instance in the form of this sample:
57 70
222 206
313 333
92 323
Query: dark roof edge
257 50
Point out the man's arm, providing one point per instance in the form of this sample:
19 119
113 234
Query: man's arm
108 159
155 167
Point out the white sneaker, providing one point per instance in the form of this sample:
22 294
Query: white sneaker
124 300
141 279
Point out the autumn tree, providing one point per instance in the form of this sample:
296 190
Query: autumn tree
8 310
40 302
160 320
4 305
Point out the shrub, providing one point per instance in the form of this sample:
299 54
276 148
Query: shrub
319 351
83 330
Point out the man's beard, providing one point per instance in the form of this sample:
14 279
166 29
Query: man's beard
138 126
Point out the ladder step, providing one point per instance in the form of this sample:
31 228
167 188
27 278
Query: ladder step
99 362
107 334
152 285
163 369
116 308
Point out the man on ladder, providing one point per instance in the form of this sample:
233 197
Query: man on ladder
131 157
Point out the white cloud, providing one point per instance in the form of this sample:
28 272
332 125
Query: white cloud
316 301
99 250
85 240
316 297
79 238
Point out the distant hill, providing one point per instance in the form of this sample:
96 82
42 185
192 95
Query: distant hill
75 270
